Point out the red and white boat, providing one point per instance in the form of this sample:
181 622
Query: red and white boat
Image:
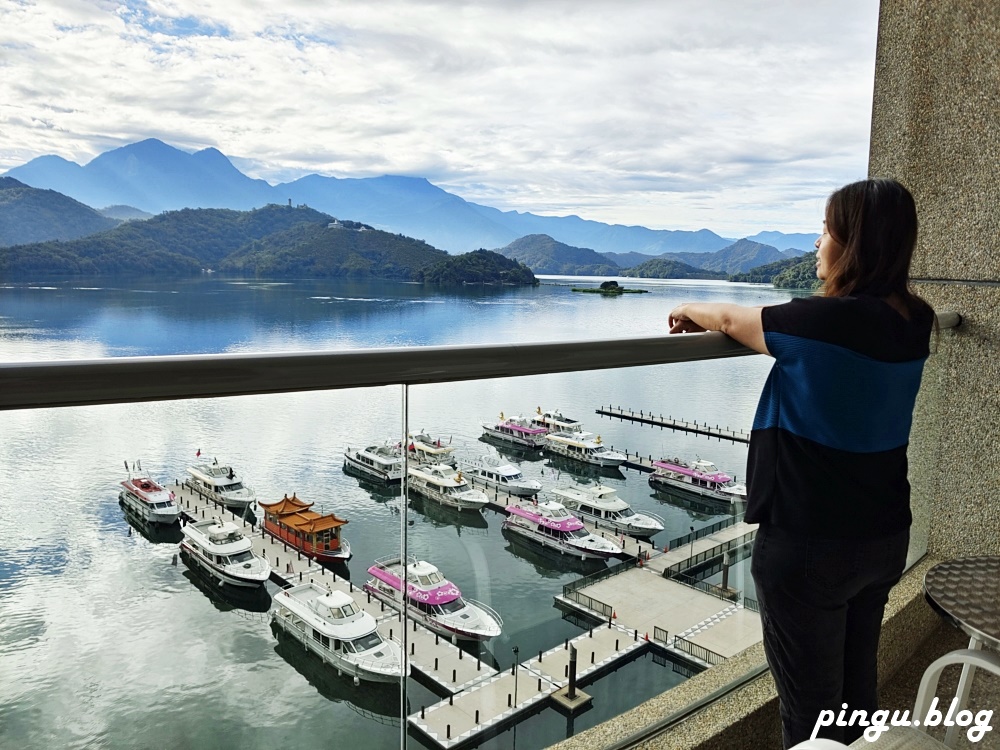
698 477
147 499
551 525
518 431
317 536
433 600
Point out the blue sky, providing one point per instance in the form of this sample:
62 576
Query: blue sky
727 114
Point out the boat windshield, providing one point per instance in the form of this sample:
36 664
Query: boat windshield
626 512
365 642
578 533
450 608
232 487
241 557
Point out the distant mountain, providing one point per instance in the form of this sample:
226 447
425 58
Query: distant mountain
29 214
741 255
154 177
664 268
801 243
627 260
124 213
544 255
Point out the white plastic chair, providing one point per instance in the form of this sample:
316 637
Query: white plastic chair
915 738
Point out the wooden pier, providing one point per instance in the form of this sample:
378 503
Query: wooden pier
654 420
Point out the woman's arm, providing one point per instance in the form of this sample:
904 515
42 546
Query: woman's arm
736 321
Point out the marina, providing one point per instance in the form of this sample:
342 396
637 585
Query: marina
658 420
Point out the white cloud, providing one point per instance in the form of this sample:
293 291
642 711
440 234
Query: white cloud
732 115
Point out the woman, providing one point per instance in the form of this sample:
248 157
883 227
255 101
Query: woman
826 471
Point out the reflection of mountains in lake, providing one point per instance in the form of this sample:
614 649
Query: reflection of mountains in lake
548 562
563 465
699 510
441 515
377 701
157 533
380 491
226 598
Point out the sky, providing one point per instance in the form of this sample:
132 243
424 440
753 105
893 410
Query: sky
735 115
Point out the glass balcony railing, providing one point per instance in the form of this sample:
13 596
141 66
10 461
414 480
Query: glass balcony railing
123 633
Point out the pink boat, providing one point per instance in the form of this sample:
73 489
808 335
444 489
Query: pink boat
550 524
433 600
698 477
517 431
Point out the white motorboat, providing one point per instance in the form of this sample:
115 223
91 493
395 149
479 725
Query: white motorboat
428 450
553 420
517 431
433 599
583 446
603 506
383 462
698 477
445 485
494 473
220 482
221 548
551 525
333 626
148 500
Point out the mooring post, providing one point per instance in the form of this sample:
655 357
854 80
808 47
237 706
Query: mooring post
571 690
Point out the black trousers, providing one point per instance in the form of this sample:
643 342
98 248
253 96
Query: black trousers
821 606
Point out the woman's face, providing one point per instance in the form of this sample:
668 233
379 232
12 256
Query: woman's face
828 250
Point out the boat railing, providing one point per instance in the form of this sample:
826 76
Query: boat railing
486 608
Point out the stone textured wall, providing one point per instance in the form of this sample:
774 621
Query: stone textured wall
936 128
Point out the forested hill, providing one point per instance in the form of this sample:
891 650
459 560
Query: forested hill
542 254
479 267
665 268
345 250
28 214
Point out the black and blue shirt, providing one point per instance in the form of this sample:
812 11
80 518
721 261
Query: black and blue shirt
828 447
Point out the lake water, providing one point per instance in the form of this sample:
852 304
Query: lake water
105 644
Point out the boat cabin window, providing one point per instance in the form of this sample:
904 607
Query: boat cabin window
241 557
365 642
450 608
232 487
435 577
578 533
626 512
319 637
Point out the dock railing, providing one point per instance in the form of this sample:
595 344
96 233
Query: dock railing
716 551
699 652
708 588
725 523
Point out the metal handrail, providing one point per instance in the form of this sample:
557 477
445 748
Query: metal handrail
36 385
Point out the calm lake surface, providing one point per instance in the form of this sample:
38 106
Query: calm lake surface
105 644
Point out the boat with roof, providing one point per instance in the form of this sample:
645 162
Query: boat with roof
602 505
317 536
550 524
225 553
332 625
383 462
428 450
698 477
516 430
583 446
433 600
147 499
220 483
503 476
443 484
553 420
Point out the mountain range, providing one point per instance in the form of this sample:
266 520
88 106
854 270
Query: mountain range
153 176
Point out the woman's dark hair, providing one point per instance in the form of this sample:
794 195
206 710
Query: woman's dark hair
876 223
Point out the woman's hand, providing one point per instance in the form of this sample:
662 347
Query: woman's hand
680 322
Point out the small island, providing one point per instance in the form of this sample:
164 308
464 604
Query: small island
609 288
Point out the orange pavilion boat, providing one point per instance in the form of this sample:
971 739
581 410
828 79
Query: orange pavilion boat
312 534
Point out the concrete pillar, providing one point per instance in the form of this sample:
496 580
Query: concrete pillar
936 128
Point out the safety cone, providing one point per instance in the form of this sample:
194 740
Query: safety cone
614 615
647 636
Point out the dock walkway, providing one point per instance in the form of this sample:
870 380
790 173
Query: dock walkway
654 420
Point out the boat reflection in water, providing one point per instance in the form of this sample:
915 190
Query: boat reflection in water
442 515
559 465
380 491
513 453
699 510
226 598
548 562
157 533
378 701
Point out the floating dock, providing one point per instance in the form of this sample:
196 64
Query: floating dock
654 420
